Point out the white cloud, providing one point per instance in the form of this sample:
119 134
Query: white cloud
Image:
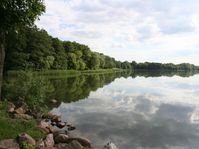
141 30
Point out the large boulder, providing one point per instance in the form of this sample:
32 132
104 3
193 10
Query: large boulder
9 144
23 137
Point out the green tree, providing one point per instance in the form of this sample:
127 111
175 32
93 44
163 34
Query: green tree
13 15
39 46
72 61
94 61
16 58
59 54
126 65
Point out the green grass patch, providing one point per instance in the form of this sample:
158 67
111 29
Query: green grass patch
65 73
10 128
103 71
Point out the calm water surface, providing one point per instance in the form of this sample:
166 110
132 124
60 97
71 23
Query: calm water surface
139 113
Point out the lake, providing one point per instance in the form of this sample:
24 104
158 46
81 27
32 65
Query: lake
135 111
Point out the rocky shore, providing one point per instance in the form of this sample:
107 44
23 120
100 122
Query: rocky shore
58 134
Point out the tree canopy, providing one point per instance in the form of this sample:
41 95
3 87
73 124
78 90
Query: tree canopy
14 13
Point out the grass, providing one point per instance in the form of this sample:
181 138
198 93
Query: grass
10 128
67 73
102 71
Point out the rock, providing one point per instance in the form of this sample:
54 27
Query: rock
56 119
49 141
58 132
70 127
83 141
75 145
9 144
10 107
60 124
61 146
20 110
43 124
61 138
54 101
23 137
45 127
110 146
40 144
44 130
53 123
48 116
50 128
23 116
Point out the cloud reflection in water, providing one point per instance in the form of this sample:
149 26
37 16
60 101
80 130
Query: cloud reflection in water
140 113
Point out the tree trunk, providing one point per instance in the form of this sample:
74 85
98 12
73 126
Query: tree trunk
2 58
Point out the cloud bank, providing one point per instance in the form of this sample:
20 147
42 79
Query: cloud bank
141 30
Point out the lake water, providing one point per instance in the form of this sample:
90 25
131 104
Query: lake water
135 111
139 113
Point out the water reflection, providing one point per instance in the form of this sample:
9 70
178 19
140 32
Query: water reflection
142 113
37 91
134 111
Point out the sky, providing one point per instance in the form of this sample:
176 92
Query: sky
141 30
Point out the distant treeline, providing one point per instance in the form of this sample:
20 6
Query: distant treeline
164 67
35 49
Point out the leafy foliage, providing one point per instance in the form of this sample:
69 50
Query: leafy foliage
15 13
33 48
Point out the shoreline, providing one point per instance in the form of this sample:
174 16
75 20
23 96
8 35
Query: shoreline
54 133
